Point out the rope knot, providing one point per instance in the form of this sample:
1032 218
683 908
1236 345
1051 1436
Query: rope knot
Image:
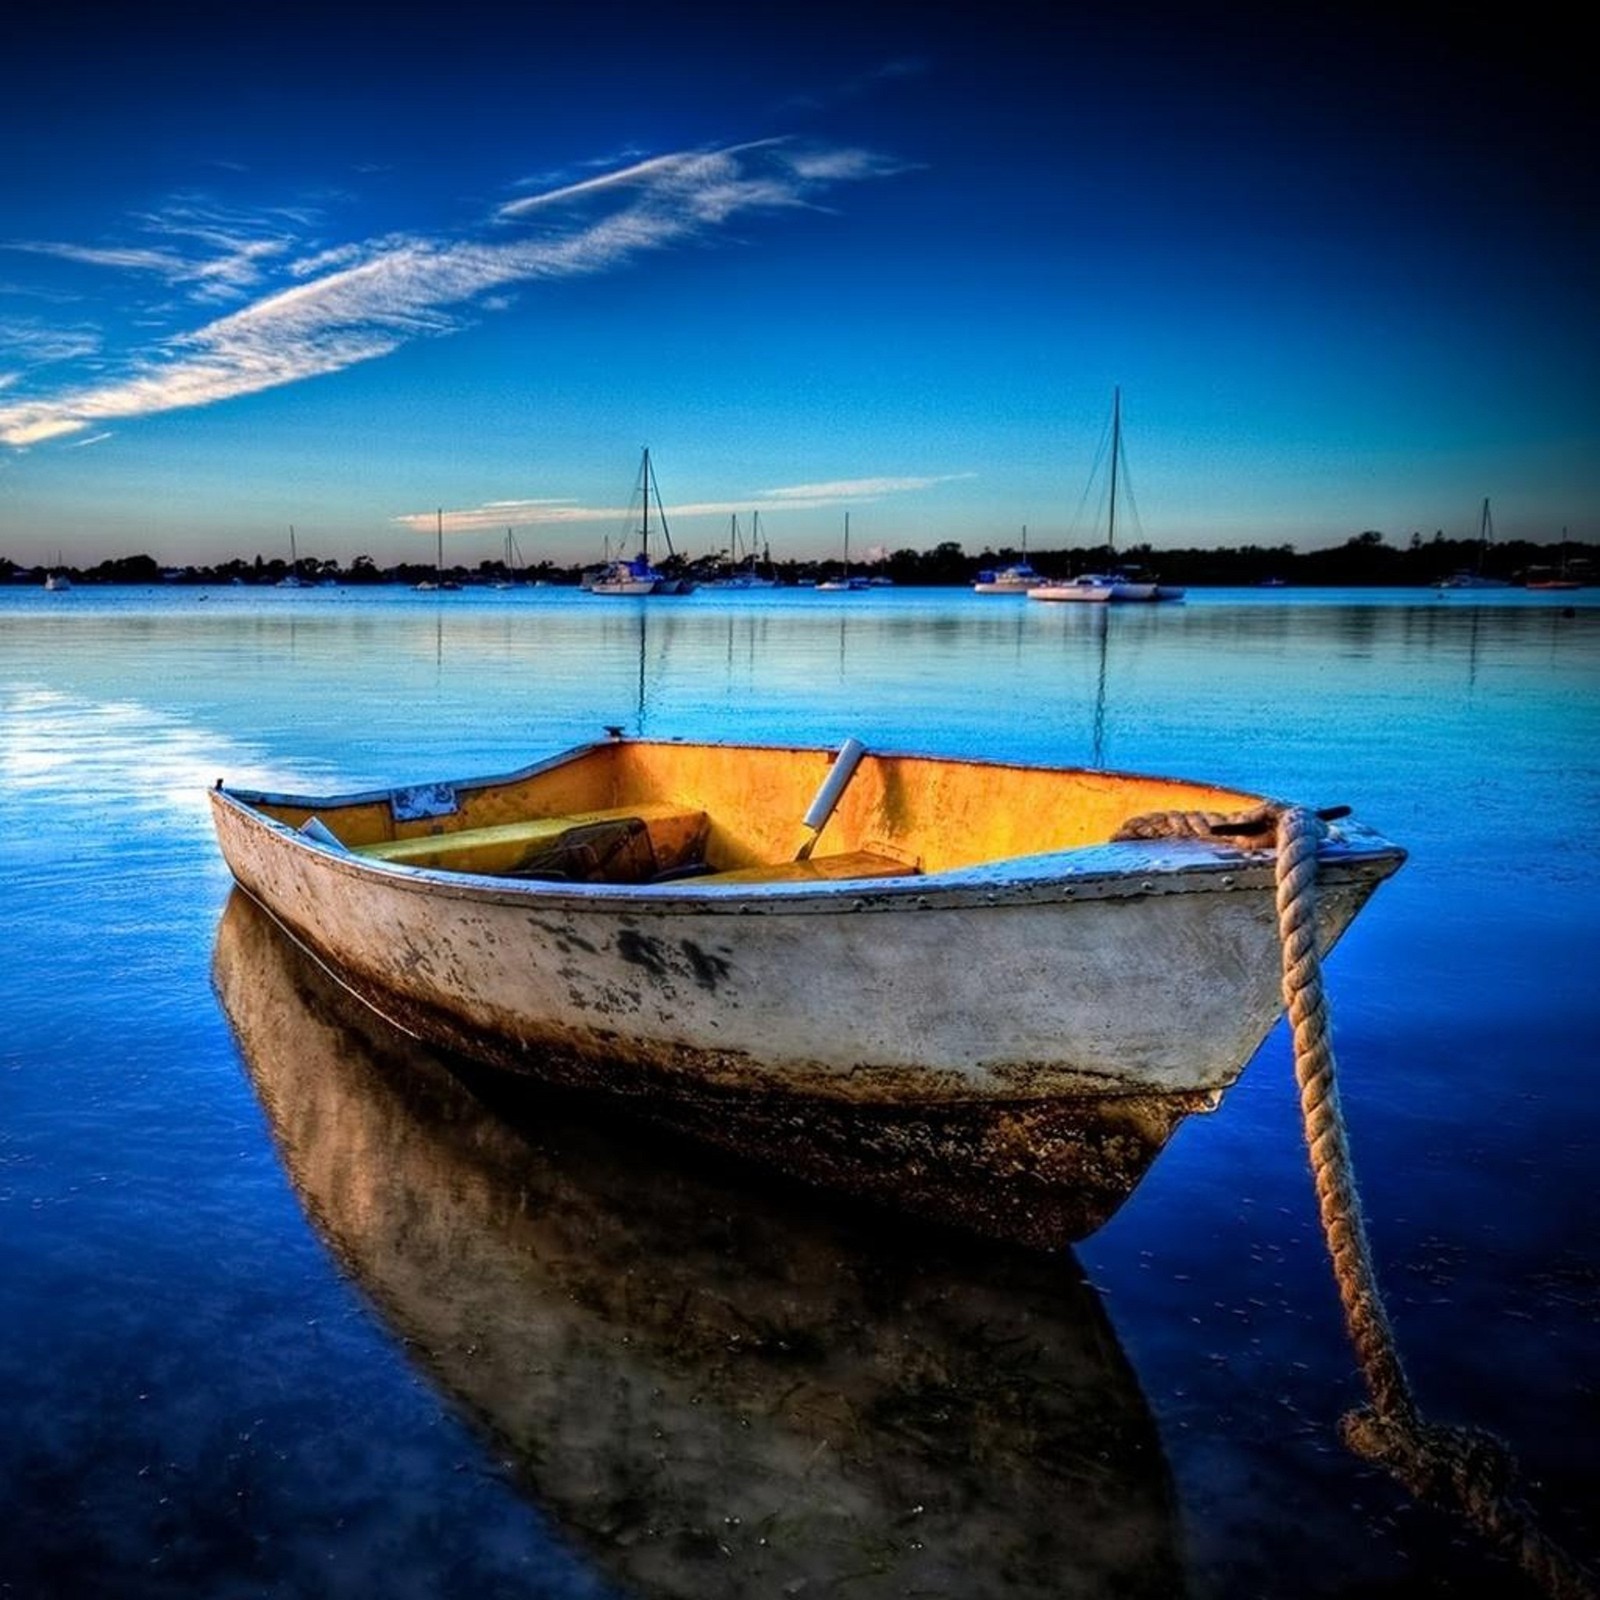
1196 824
1256 822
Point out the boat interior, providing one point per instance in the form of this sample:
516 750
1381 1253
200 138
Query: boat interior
636 811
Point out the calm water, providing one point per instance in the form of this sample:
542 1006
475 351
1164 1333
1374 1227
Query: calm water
287 1308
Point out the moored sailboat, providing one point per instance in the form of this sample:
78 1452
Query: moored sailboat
844 583
292 578
438 580
1475 577
1017 577
511 565
637 575
1566 575
1117 582
744 557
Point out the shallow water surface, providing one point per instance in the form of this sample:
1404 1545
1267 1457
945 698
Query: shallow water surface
290 1306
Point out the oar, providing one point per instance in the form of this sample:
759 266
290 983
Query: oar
839 774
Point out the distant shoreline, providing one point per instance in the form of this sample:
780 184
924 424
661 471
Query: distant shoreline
1365 561
470 584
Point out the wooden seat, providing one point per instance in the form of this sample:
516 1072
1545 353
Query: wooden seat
818 869
623 844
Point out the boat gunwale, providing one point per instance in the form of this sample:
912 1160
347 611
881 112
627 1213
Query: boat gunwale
1099 871
1193 868
257 797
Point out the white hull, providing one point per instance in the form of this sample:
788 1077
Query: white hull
1018 578
1095 593
1123 968
1467 580
631 586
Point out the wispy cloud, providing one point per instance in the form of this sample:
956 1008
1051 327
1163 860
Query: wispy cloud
660 173
35 344
341 305
562 512
854 489
210 254
499 514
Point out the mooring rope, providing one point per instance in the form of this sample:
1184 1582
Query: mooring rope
1463 1468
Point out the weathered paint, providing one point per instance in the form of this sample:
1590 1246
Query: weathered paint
1030 961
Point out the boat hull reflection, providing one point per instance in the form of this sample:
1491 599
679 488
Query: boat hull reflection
712 1391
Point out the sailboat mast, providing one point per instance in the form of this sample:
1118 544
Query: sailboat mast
438 564
1116 451
645 476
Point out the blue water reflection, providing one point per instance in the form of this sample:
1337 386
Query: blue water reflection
202 1397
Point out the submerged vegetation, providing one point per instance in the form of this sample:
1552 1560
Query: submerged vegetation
1365 560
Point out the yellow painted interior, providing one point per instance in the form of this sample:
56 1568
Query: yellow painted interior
820 869
923 812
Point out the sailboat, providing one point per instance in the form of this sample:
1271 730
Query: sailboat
745 572
1568 575
636 575
58 581
439 581
1017 578
1116 582
292 579
1475 577
510 562
844 582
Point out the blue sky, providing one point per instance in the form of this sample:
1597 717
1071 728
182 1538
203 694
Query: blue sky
342 269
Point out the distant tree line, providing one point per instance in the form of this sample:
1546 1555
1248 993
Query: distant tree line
1364 560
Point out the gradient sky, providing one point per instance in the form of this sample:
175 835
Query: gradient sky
339 269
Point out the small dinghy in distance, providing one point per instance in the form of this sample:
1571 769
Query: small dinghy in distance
948 968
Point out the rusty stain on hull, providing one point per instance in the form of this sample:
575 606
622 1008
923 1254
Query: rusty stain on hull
1038 1172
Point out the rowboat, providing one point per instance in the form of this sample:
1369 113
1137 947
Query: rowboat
709 1391
936 973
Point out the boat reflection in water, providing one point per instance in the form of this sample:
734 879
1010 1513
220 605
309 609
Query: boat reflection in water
713 1390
